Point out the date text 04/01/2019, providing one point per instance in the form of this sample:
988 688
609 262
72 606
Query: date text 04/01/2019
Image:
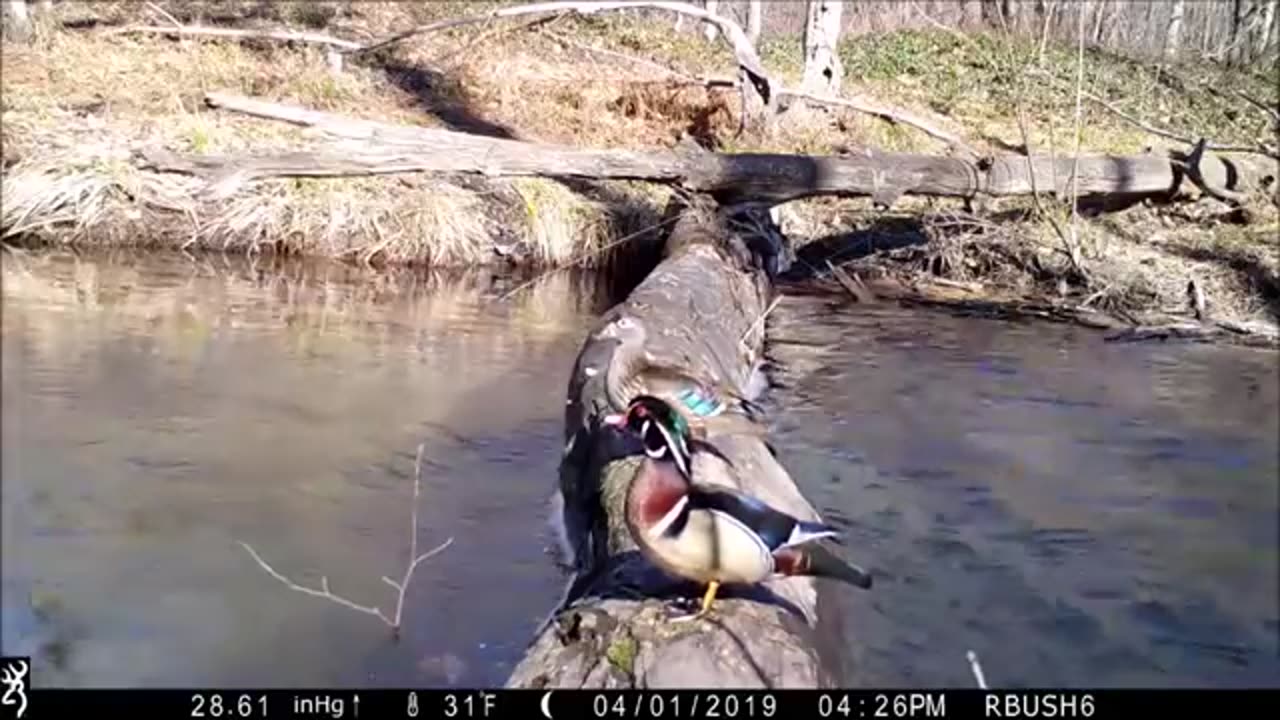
685 705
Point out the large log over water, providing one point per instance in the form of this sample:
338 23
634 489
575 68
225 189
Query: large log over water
702 308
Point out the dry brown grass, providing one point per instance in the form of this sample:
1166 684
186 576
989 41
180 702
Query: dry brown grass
78 102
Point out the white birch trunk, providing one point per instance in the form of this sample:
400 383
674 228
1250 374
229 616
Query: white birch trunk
755 20
709 29
1268 29
17 20
823 72
1173 34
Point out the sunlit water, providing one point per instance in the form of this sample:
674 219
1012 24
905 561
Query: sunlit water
1076 512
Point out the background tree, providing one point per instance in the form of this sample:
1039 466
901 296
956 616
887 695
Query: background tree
709 29
17 20
755 20
1173 32
822 69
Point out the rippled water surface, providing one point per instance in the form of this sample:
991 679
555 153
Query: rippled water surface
1079 513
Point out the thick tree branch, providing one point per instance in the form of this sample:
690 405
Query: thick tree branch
371 148
277 35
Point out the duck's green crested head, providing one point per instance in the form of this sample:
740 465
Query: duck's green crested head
664 431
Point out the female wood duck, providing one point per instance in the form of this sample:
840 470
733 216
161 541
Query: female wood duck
632 372
708 533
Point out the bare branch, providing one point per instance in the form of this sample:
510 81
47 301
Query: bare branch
857 104
164 13
1138 123
871 108
977 669
278 35
743 50
400 587
323 592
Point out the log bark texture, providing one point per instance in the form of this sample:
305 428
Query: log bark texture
372 148
700 308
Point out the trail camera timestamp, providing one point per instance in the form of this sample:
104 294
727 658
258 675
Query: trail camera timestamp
882 705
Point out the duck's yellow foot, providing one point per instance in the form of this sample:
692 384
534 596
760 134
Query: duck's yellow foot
707 600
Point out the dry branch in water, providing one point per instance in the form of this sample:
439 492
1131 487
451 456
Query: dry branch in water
977 669
392 621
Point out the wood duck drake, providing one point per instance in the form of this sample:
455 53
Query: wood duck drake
705 406
712 534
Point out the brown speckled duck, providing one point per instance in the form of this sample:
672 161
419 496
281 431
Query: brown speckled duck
704 406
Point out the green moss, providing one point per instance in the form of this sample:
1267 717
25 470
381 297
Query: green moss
622 653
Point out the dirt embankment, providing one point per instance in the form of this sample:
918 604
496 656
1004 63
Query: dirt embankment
84 96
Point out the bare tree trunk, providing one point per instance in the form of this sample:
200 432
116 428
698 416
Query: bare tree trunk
1172 36
1236 53
823 71
17 20
1267 28
970 13
1048 9
709 29
755 20
44 6
1012 11
1099 10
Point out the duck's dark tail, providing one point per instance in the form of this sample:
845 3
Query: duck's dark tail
817 561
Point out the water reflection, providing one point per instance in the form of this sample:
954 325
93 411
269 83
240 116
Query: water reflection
158 411
1079 513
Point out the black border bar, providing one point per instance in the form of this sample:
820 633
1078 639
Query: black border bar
249 704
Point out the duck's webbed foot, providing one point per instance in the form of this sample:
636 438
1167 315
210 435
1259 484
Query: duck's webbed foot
703 608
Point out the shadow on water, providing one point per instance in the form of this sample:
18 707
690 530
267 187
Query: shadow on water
883 234
1079 513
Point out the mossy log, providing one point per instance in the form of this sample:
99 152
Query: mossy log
702 307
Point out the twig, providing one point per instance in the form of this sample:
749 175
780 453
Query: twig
630 58
1075 164
858 104
279 35
758 321
492 33
975 667
1141 125
392 622
743 50
1274 113
590 253
870 108
164 13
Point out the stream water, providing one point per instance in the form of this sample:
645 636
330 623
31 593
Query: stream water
1079 513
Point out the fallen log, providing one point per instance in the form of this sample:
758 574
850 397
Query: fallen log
373 148
700 308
